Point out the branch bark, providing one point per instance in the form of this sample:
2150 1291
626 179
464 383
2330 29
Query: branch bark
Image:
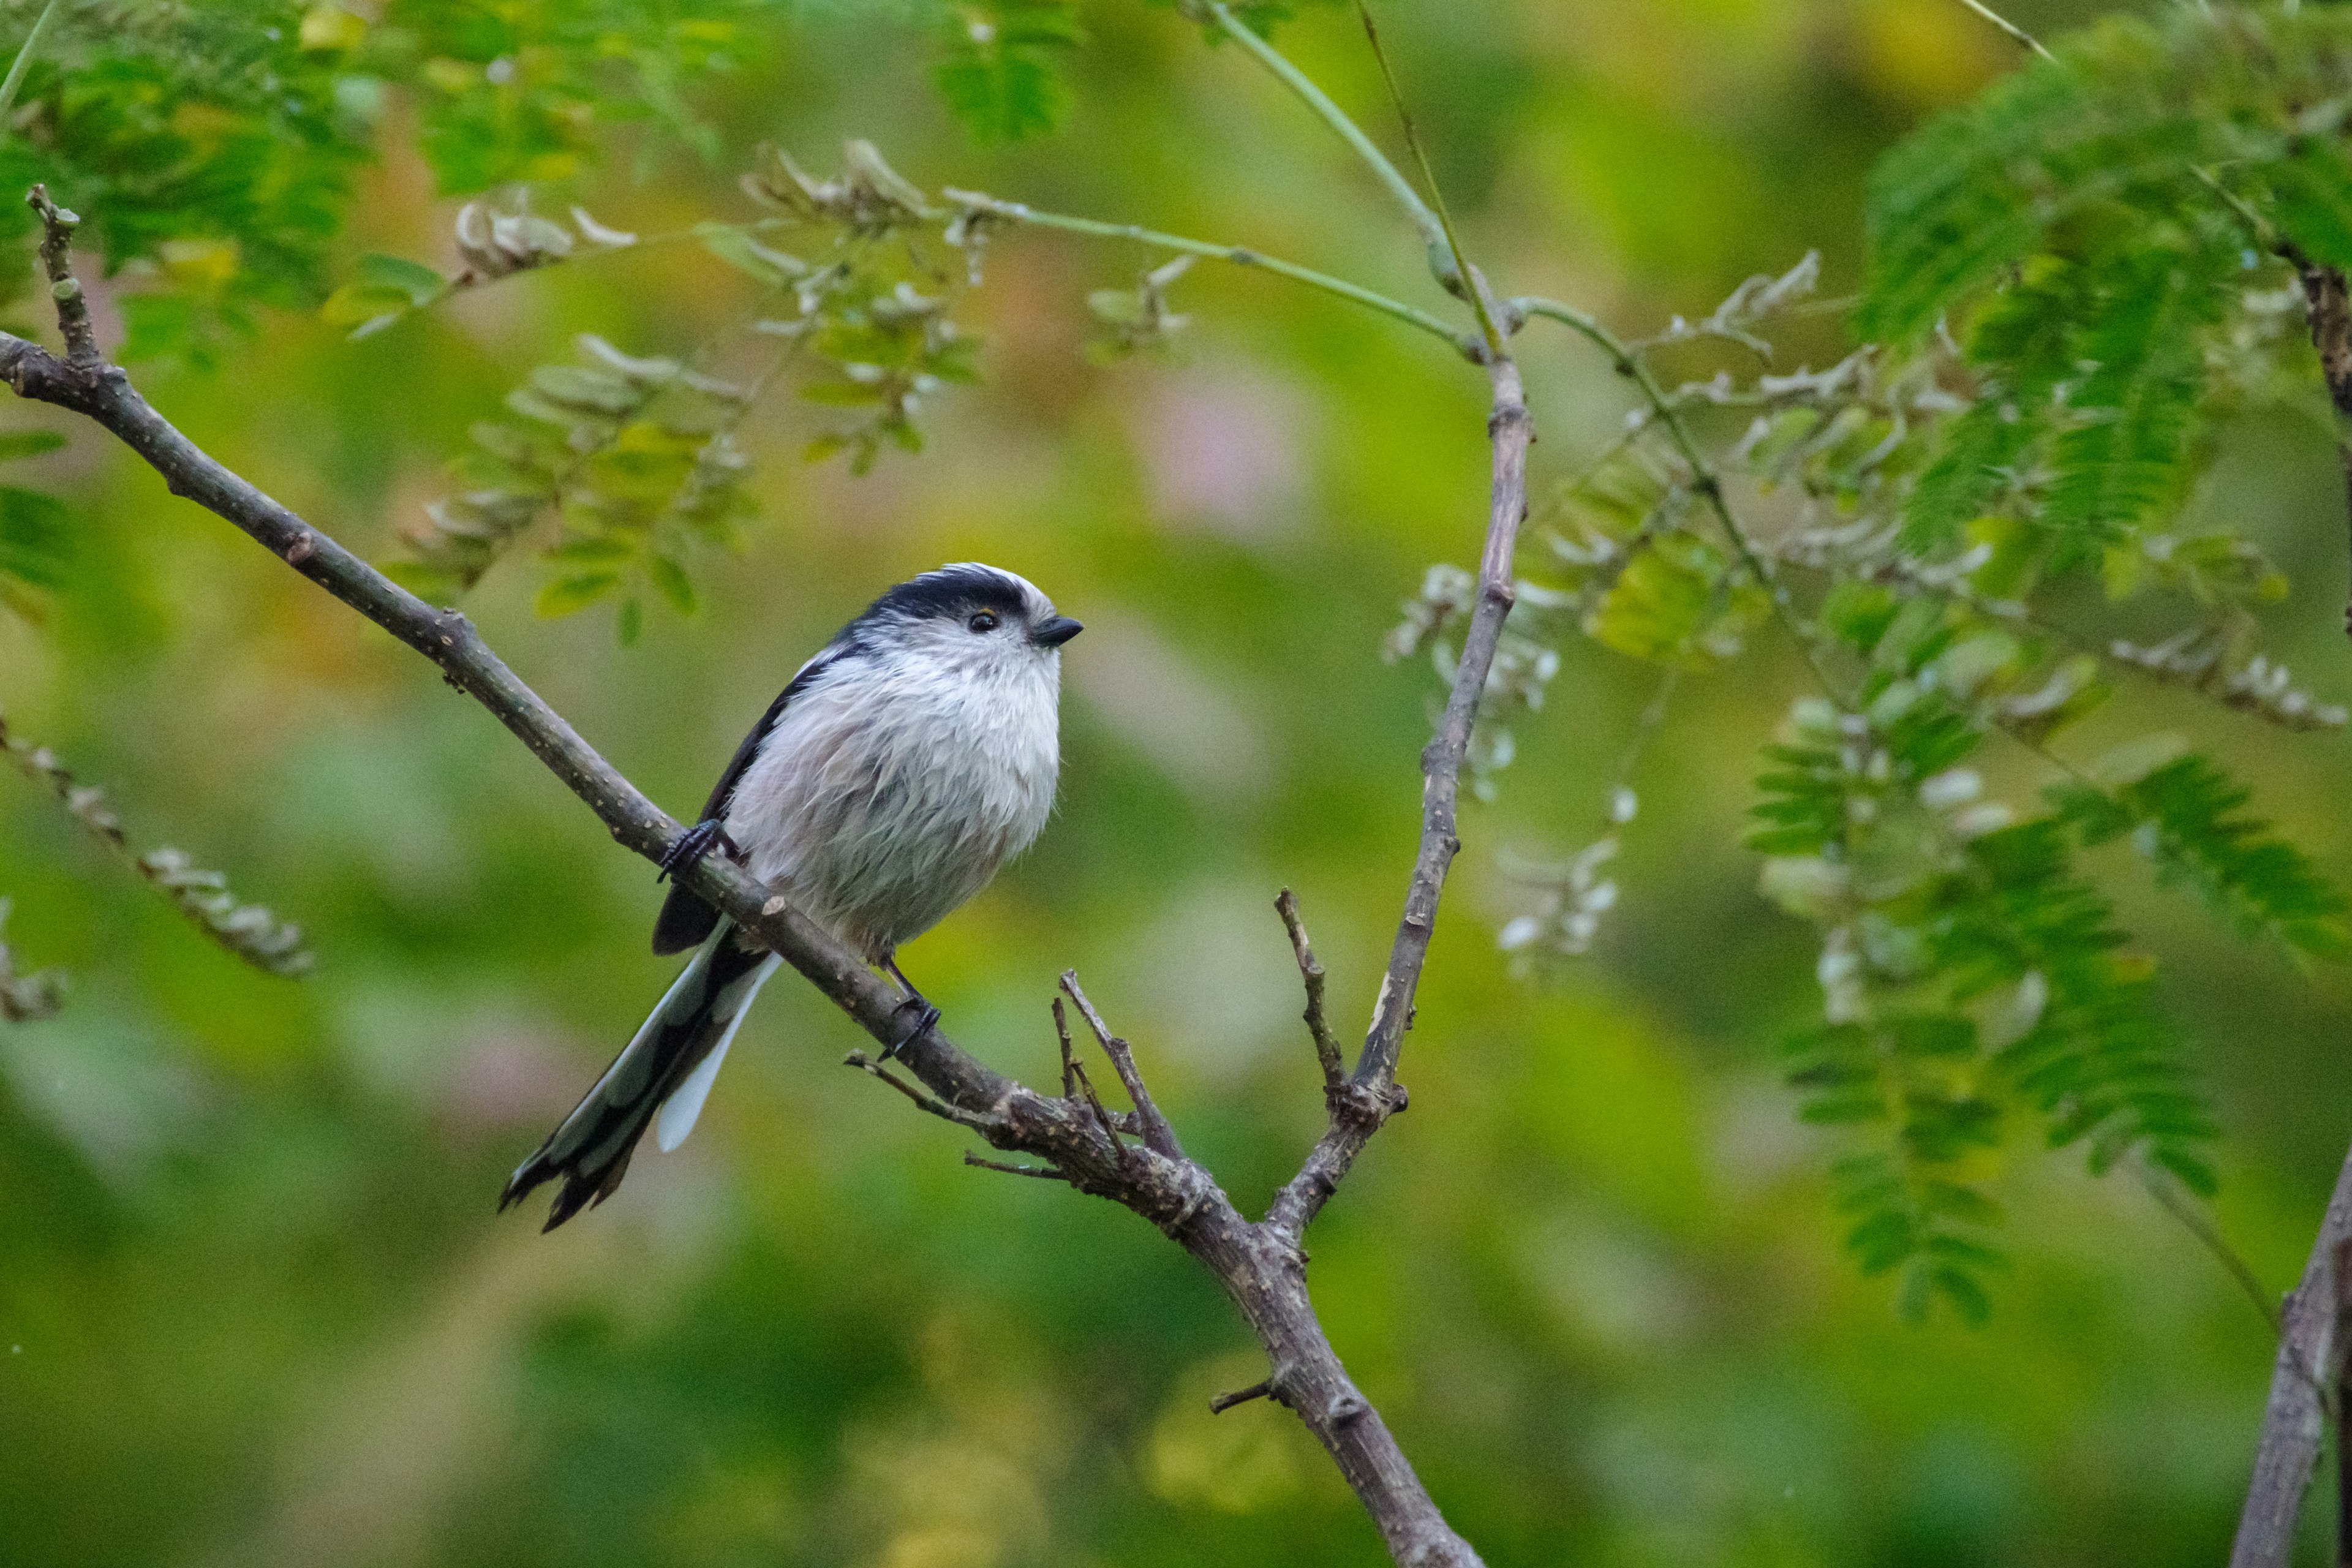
2313 1330
2330 313
2310 1359
1261 1266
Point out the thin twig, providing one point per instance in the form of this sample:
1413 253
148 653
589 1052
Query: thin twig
1239 255
1044 1172
1103 1117
1158 1135
938 1108
1069 1061
1224 1401
1469 283
58 225
1433 232
1327 1049
1704 478
23 63
2166 1191
2017 35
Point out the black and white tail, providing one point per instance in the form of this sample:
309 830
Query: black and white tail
660 1079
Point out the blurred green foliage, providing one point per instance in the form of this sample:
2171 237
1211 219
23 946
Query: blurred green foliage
253 1302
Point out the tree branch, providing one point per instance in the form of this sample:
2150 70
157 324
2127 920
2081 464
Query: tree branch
1433 232
2312 1343
1261 1267
2330 311
1327 1049
2310 1360
1372 1094
1239 255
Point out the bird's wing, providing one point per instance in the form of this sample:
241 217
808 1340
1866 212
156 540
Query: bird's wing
685 919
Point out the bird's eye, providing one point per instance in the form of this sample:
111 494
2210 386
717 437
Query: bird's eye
984 621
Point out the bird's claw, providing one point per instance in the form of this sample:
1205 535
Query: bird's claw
923 1021
693 844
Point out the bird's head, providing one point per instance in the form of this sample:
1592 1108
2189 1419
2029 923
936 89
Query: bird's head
973 616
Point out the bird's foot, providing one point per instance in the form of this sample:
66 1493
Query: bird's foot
926 1014
693 844
924 1018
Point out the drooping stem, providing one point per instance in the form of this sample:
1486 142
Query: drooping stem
1704 478
2017 35
1433 233
23 62
1238 256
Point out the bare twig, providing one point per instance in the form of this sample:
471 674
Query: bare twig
1157 1133
1327 1049
1069 1061
1224 1401
977 1121
58 225
1261 1267
1044 1172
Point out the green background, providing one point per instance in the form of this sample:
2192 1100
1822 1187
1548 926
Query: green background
255 1306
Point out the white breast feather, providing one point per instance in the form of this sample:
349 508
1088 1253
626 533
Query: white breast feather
893 788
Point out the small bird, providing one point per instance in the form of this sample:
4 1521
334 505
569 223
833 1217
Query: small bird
907 761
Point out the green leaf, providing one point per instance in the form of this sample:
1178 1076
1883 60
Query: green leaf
670 577
15 443
732 244
998 75
382 289
2186 816
2122 453
567 595
36 538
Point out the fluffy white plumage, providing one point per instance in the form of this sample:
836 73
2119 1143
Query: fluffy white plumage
901 777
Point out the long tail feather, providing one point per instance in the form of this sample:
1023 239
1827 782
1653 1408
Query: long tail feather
670 1063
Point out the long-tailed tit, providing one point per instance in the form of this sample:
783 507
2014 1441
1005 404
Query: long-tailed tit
907 761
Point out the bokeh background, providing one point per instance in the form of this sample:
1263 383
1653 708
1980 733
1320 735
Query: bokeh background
255 1306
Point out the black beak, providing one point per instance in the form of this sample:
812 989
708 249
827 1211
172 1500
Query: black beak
1054 631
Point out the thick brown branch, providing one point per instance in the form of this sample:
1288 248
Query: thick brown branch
1261 1267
